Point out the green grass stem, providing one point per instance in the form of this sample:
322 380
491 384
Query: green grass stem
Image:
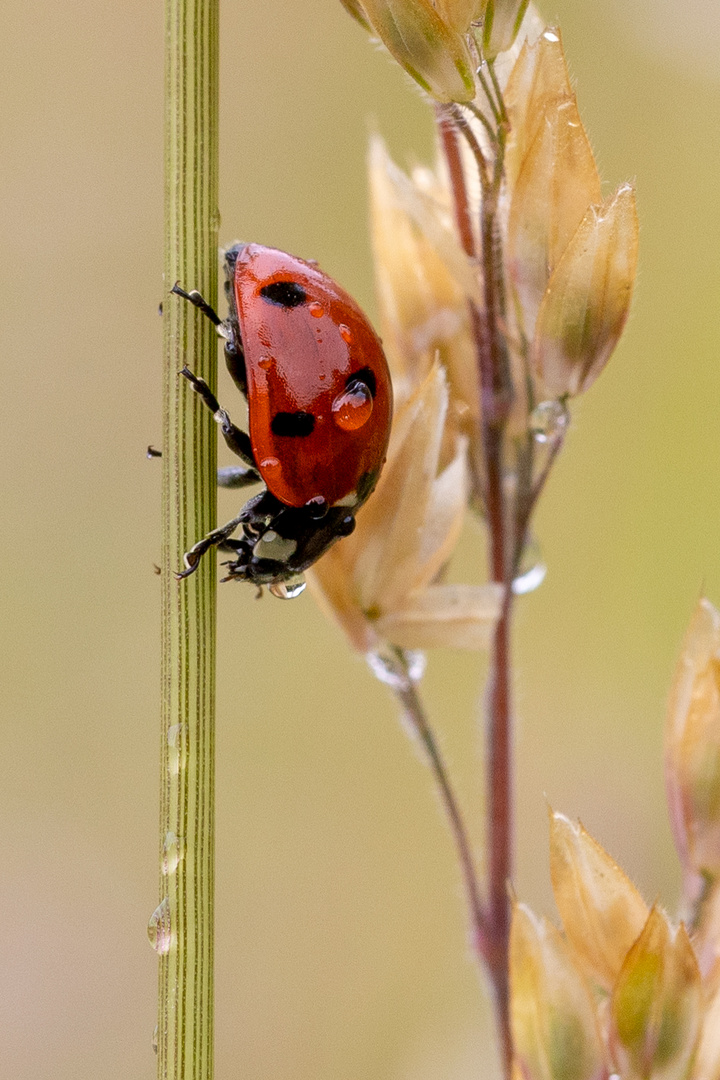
184 922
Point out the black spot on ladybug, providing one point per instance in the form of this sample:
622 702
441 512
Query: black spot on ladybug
366 376
292 424
284 293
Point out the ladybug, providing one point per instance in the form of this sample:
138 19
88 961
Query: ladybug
319 401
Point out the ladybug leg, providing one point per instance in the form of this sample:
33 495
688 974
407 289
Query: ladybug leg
228 476
199 302
236 440
232 546
235 476
216 538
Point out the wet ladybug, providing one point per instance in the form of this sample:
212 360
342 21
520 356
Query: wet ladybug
319 405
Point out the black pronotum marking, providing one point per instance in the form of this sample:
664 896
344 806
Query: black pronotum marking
286 294
366 376
292 424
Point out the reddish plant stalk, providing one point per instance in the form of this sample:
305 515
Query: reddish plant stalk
496 397
500 824
461 205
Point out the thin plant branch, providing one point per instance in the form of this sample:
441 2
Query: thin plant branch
494 108
529 493
416 717
480 115
500 100
182 926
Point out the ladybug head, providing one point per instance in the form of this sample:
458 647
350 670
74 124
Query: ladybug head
231 256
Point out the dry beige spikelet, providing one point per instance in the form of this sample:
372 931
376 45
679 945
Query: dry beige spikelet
657 1003
381 584
601 910
587 300
555 1031
424 280
654 988
432 50
692 746
571 257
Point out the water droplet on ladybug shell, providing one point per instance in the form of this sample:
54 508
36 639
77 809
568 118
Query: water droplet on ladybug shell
271 465
265 362
316 309
345 333
353 409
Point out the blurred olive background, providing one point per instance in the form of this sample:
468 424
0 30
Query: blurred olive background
340 939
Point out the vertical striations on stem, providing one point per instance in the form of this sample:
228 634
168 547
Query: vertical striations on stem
185 945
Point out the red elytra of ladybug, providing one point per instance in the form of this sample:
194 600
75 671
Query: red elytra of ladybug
319 405
310 354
